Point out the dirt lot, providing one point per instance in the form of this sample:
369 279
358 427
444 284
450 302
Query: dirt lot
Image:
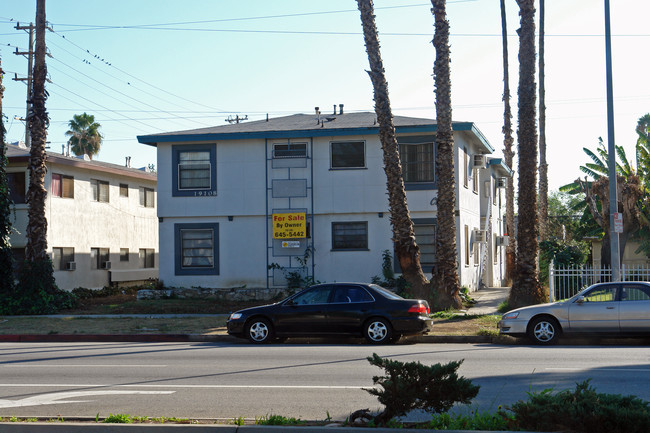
444 324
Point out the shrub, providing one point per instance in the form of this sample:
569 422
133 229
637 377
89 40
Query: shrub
582 410
411 385
119 418
36 292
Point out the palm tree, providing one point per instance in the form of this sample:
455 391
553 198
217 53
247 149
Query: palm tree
643 147
543 166
406 249
630 191
85 138
6 259
526 287
508 153
38 123
446 273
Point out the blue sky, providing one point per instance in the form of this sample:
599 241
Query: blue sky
150 66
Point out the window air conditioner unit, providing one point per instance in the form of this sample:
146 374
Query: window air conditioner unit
71 266
480 236
502 182
479 161
106 265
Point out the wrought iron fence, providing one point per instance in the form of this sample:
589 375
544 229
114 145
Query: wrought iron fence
564 282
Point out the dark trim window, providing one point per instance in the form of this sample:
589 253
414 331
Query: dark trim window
61 257
147 257
99 258
124 190
348 154
194 170
62 186
17 187
289 150
124 254
350 235
146 197
426 232
465 168
418 163
196 249
100 190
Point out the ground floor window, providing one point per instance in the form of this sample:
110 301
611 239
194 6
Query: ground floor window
100 258
61 258
425 230
196 249
350 235
147 257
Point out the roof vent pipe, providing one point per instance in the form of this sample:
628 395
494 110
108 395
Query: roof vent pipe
317 109
334 110
340 108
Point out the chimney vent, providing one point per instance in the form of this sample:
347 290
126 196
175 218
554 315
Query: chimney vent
340 108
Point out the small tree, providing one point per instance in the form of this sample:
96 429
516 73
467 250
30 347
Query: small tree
410 385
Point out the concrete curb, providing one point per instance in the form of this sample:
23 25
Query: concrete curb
220 338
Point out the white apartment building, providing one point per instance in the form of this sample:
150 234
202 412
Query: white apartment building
240 204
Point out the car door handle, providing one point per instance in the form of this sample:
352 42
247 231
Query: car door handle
610 308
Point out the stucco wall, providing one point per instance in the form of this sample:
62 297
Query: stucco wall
82 224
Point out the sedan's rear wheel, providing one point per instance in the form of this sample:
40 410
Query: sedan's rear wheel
259 331
544 330
378 331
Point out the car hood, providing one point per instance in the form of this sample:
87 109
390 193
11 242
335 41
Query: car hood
537 307
255 309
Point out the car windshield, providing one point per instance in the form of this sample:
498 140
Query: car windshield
387 293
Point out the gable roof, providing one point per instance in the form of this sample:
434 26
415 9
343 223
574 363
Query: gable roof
309 125
21 154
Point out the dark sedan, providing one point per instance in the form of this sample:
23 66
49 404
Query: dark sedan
353 309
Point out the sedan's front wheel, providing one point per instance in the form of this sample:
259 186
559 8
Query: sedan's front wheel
544 330
259 331
378 331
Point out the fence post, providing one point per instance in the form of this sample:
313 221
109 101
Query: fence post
551 282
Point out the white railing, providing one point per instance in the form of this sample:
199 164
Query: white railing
564 282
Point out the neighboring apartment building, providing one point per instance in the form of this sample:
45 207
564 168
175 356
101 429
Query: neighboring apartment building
102 223
240 204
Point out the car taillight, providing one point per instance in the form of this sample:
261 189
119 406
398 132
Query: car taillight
419 308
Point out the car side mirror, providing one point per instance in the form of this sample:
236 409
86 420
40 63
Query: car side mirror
581 300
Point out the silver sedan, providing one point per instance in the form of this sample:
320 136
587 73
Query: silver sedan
604 309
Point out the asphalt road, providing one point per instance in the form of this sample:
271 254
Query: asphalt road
307 381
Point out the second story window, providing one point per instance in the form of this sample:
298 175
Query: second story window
348 154
146 197
194 170
62 186
289 150
100 190
17 187
124 190
418 163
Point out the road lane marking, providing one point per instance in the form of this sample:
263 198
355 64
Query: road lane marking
95 385
82 365
54 398
599 369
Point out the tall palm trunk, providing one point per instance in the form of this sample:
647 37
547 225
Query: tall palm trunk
508 153
526 288
446 273
406 249
543 166
39 121
6 271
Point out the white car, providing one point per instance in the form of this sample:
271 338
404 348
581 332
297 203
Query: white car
604 309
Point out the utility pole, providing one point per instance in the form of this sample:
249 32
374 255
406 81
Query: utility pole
611 149
29 81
